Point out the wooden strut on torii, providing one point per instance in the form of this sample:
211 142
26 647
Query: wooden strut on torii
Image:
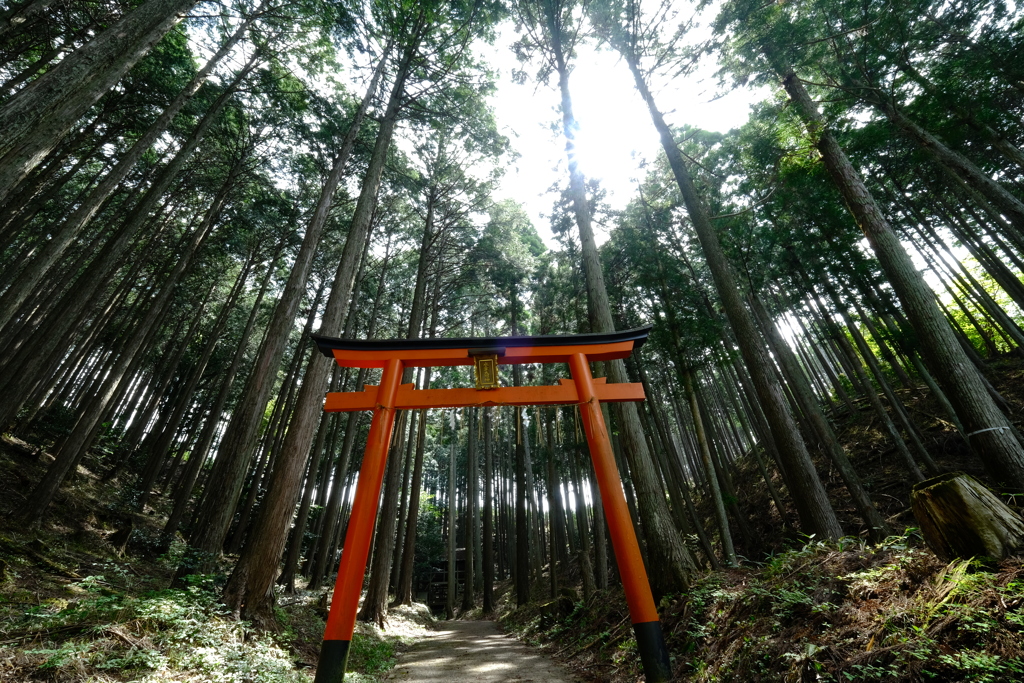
583 390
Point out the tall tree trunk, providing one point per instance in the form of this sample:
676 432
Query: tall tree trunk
675 464
1012 207
522 575
665 546
860 379
728 551
404 589
449 603
488 539
237 444
40 115
375 605
273 437
291 560
332 513
71 227
81 297
468 600
162 443
249 586
183 491
403 504
990 433
87 427
816 513
556 531
877 526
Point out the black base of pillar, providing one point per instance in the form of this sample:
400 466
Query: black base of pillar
650 642
333 657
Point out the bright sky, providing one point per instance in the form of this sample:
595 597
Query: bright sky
615 135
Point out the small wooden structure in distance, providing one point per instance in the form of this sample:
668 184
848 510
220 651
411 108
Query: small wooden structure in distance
583 390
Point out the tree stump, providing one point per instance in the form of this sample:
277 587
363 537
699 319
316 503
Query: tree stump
961 518
120 539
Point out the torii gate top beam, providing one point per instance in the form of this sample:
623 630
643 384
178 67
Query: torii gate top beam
447 351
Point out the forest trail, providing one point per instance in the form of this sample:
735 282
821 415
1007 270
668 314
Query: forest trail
475 651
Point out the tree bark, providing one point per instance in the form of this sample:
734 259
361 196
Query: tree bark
88 424
990 434
40 115
488 534
72 226
162 443
665 546
249 586
468 599
878 529
183 490
237 444
961 518
332 513
81 297
449 603
375 604
728 551
816 513
273 438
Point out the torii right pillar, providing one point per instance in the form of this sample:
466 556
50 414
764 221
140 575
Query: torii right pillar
643 613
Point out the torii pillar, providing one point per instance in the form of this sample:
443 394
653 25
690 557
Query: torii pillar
583 390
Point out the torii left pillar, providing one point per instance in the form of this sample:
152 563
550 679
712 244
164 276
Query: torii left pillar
341 620
393 356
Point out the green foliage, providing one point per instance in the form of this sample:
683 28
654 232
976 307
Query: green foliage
55 422
505 258
843 612
980 667
158 634
370 654
976 324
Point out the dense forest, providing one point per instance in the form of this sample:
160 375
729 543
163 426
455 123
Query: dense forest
189 190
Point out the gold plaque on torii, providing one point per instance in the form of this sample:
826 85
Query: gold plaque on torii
486 370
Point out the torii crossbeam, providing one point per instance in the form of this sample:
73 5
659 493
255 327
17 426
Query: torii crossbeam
583 390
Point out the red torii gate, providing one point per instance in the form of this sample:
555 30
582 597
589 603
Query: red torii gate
583 390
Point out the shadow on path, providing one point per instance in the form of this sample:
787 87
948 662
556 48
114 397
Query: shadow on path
475 651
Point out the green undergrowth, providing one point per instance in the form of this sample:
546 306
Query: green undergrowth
104 628
374 650
840 612
104 631
75 606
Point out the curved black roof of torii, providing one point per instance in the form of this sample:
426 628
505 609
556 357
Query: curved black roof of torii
327 344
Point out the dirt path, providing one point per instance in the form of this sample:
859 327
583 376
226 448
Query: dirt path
475 651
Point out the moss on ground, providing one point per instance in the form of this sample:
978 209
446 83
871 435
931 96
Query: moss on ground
78 605
842 612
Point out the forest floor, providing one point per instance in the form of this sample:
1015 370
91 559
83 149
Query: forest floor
840 612
82 601
475 651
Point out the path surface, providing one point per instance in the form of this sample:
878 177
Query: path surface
475 651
